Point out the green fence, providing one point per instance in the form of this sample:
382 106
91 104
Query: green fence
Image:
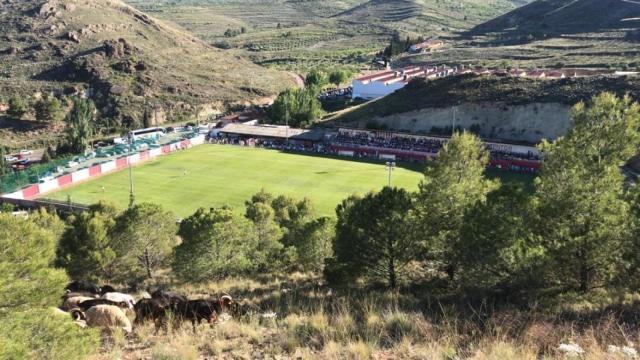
16 180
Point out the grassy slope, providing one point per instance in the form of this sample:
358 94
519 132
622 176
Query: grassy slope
218 175
316 321
550 34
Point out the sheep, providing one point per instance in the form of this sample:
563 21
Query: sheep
120 298
73 302
108 316
85 305
59 312
70 294
82 285
107 289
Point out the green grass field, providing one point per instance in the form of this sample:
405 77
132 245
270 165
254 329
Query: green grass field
217 175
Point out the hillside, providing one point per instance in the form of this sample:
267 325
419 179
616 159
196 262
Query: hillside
455 90
426 13
298 35
500 108
549 34
566 16
122 58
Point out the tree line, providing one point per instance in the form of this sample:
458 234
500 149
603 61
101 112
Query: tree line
399 46
301 107
576 230
275 234
79 130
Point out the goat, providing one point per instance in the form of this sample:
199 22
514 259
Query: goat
198 310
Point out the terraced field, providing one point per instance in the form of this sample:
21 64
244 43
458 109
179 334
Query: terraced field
298 35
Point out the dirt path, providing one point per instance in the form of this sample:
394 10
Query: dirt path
299 79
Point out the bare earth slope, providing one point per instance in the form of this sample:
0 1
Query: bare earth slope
122 58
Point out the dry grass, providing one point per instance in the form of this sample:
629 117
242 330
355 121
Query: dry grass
315 322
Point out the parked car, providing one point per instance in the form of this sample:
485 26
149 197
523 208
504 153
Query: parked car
46 178
21 165
26 152
10 158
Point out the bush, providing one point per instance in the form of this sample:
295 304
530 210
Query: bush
48 110
17 107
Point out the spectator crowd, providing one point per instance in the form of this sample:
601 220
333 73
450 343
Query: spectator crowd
372 145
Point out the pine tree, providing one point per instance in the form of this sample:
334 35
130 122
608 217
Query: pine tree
215 244
498 247
4 166
375 238
143 239
30 330
79 125
454 183
85 249
584 215
338 77
17 107
46 156
48 110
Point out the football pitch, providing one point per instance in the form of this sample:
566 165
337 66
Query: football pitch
217 175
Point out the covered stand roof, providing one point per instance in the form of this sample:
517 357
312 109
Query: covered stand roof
273 131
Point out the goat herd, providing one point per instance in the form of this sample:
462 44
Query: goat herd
94 306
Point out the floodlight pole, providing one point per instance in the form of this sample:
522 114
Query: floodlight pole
286 119
453 121
155 120
131 196
390 166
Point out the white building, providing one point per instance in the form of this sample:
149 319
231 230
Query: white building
384 83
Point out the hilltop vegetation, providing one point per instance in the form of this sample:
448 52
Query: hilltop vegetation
122 58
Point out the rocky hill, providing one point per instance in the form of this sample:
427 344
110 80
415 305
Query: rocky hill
566 16
122 58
